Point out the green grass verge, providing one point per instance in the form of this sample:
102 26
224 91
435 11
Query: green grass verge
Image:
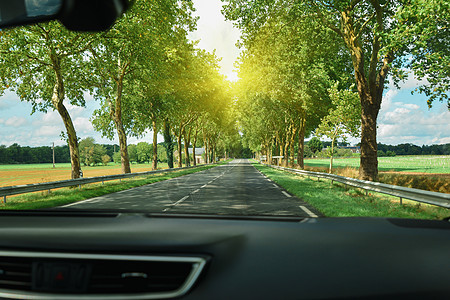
334 200
420 164
65 196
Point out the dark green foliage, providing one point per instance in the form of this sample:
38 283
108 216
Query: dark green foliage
315 145
16 154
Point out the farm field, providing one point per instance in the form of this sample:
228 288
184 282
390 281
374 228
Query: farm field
37 173
431 164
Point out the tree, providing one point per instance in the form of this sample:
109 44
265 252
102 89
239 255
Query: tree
44 64
99 152
106 159
138 42
132 152
117 157
315 145
342 120
143 151
90 152
86 147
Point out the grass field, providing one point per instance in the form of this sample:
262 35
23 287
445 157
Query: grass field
334 200
437 164
37 173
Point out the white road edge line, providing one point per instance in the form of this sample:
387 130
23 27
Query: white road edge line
196 191
286 194
80 202
275 185
310 213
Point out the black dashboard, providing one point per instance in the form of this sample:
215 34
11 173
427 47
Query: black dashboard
245 257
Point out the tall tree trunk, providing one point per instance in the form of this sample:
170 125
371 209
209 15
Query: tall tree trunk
291 152
168 143
72 140
124 158
331 156
286 152
368 169
270 152
180 156
370 87
301 145
155 146
194 143
57 101
205 143
117 117
187 141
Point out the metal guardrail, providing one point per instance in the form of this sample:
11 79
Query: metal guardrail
36 187
434 198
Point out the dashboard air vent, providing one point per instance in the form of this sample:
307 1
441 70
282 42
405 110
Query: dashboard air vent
65 276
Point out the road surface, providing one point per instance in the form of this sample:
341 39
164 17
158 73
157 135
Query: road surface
236 188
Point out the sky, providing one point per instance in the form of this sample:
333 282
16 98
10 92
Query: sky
403 118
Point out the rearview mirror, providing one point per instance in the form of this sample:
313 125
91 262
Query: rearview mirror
78 15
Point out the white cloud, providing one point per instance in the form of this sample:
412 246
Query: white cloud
386 102
399 115
414 126
16 121
83 125
50 118
47 130
412 106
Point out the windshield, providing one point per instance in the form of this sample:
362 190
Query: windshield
249 108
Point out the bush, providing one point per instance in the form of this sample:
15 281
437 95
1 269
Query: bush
321 154
106 159
344 153
117 158
307 152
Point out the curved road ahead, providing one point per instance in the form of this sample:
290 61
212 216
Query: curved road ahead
236 188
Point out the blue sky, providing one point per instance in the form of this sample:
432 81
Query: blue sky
404 118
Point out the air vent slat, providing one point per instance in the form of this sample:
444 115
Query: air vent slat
12 273
11 282
6 264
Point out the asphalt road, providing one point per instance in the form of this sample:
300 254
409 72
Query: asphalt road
236 188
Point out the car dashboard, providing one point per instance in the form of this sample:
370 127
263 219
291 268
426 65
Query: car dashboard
131 255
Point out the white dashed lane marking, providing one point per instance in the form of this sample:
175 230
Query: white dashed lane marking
310 213
286 194
176 203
